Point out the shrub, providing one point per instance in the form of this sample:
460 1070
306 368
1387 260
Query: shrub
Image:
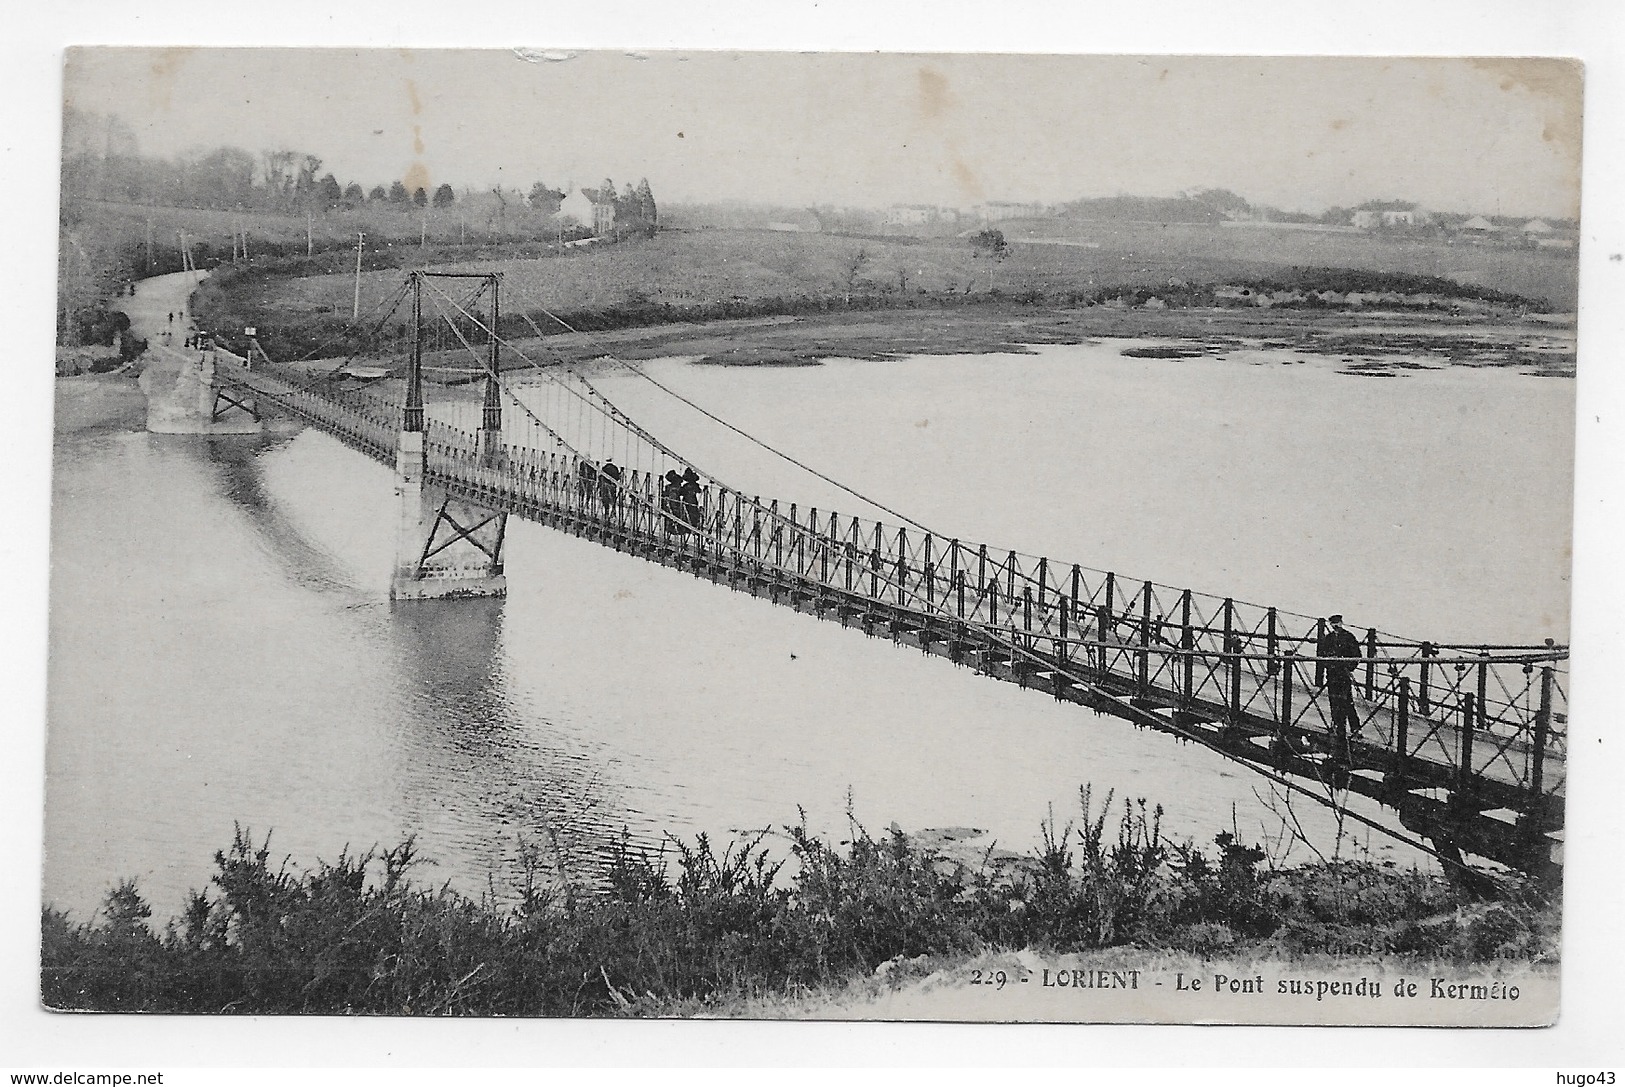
686 926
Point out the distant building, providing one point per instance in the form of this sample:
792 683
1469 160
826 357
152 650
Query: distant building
997 211
578 206
1389 217
597 214
1478 224
918 215
1536 227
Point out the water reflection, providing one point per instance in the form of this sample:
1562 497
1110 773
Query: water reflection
482 769
238 464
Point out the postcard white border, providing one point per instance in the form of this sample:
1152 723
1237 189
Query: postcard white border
1594 962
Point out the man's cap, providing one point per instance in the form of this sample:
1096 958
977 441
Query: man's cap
1335 619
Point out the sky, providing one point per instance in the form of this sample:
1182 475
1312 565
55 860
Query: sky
871 129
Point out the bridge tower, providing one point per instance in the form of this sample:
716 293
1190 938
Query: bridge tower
448 544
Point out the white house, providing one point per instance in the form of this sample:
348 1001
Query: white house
578 207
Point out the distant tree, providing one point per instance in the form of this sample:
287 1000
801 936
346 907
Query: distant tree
635 210
223 178
853 268
378 195
647 210
328 191
278 168
544 199
502 208
420 198
353 196
305 184
991 242
1228 204
443 196
398 193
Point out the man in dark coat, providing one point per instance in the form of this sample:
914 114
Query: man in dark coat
1340 651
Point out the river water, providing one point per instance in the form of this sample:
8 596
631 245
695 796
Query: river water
222 651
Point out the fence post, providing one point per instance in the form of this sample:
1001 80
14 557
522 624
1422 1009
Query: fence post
1043 590
1187 644
902 569
756 528
956 577
1233 645
1464 772
1145 639
1320 647
993 604
778 533
930 577
1543 727
1402 724
1108 613
1423 705
981 578
1027 612
1371 662
874 565
823 553
1286 691
1063 652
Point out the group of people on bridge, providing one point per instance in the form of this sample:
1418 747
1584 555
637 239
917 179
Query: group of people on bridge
680 500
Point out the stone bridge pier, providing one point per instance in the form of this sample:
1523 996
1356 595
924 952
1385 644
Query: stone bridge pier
446 546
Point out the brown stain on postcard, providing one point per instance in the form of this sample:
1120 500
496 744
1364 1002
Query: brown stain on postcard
934 98
1559 84
165 67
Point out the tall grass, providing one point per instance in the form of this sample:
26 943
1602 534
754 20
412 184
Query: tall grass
688 927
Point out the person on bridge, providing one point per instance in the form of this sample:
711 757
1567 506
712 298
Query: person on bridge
609 484
691 496
671 502
586 481
1340 651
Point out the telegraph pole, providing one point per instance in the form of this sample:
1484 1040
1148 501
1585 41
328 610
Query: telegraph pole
355 309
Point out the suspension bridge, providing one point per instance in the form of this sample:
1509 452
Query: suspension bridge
1466 742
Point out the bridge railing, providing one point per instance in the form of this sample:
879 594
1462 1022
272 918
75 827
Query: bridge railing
1479 711
363 419
1498 711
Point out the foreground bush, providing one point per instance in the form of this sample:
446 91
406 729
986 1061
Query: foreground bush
356 935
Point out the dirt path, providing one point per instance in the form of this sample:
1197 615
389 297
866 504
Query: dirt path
159 312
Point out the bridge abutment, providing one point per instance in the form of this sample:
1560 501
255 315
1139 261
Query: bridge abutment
446 546
186 395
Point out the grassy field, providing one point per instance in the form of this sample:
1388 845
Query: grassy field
849 287
703 266
688 270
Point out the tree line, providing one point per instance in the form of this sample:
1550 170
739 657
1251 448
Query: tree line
102 161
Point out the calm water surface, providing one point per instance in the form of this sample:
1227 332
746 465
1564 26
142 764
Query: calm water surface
222 651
